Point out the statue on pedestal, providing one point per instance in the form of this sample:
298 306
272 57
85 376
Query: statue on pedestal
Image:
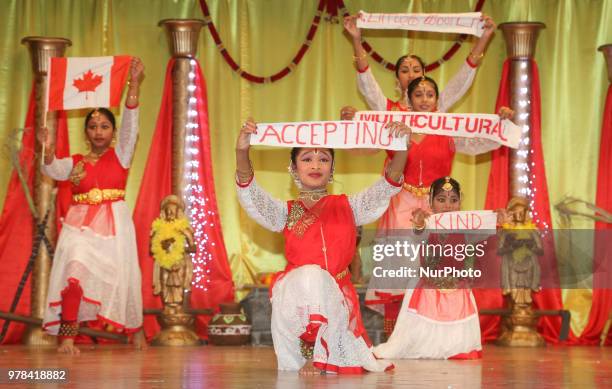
171 244
520 245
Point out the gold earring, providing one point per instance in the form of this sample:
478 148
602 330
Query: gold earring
398 88
294 176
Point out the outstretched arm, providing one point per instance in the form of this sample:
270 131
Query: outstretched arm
58 169
369 204
360 56
129 121
368 87
462 81
269 212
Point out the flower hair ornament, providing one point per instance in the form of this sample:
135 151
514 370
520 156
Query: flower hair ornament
447 186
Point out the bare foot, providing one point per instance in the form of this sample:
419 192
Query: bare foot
67 347
140 342
309 369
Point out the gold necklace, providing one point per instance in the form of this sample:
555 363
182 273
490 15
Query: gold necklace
93 156
312 195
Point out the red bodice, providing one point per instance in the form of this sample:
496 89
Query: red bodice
330 224
107 173
429 159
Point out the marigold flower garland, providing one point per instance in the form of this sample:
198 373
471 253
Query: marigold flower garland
165 230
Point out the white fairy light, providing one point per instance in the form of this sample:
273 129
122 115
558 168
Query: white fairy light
524 168
193 191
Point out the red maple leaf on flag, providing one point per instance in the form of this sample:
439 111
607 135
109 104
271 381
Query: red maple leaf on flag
88 83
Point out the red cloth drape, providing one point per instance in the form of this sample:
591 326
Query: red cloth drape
498 196
156 184
16 222
602 258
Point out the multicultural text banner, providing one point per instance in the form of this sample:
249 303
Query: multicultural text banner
468 125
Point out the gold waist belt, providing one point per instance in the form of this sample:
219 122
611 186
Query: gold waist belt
342 274
417 190
96 196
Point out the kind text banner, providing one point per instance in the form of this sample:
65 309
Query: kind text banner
463 220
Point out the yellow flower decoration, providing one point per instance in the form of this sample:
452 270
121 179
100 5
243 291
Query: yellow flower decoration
164 230
522 231
528 225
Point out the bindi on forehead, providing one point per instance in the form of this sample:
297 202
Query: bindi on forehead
410 62
424 86
311 152
99 120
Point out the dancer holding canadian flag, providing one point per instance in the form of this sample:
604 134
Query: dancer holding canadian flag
95 273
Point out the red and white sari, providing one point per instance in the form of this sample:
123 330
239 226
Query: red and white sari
97 243
313 299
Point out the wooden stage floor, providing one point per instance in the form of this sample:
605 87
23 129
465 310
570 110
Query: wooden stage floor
120 366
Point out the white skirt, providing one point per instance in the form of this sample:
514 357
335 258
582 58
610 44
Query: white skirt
107 270
416 336
310 295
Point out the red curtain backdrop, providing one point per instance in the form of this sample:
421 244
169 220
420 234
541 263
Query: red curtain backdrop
16 222
156 184
602 295
498 196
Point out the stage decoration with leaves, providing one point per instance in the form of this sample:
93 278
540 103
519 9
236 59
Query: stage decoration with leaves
333 8
282 73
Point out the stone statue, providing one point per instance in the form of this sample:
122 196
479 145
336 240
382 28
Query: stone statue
520 245
171 243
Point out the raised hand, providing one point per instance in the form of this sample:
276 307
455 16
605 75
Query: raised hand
44 138
419 216
505 113
350 25
243 143
503 216
399 129
347 112
136 71
489 24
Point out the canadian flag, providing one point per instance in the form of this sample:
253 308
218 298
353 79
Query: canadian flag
82 82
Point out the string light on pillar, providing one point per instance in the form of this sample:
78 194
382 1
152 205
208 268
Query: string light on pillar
521 38
194 195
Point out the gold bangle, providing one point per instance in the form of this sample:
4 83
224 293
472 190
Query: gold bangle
245 177
132 97
360 56
476 58
420 228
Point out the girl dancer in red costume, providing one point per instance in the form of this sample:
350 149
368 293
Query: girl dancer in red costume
95 273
